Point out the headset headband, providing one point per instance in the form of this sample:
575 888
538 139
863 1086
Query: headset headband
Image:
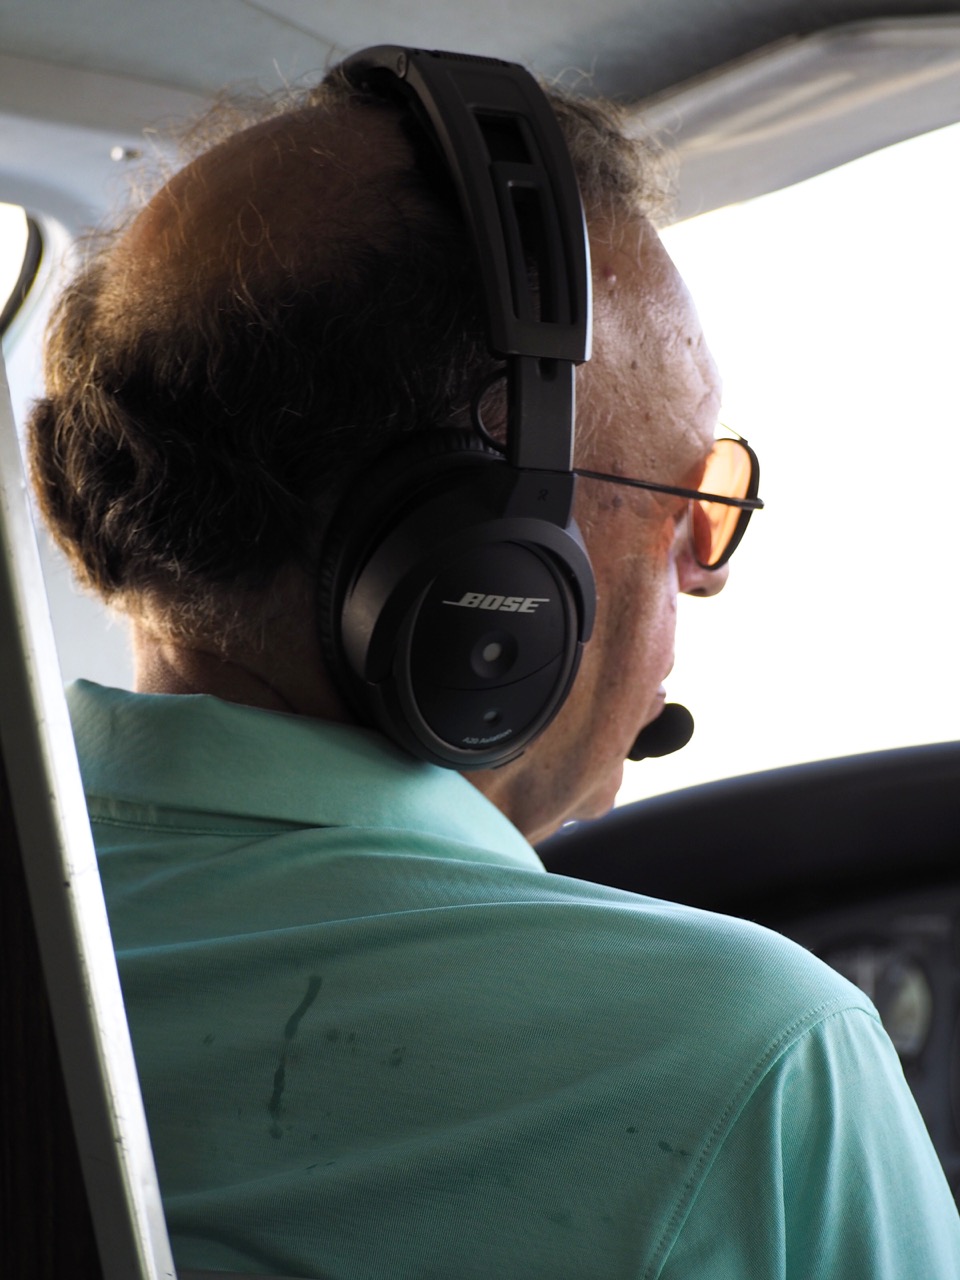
520 199
456 595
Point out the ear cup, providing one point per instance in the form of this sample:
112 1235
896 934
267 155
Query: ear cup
455 599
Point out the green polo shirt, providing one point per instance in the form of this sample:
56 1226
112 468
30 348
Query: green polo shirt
377 1039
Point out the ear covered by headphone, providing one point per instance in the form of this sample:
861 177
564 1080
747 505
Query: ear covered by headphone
456 594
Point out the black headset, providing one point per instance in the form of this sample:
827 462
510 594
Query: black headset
456 593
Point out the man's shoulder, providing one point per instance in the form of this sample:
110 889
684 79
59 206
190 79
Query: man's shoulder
699 999
704 964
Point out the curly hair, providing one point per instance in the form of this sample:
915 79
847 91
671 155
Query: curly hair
217 368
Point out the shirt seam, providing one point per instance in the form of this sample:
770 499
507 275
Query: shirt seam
130 824
792 1036
146 824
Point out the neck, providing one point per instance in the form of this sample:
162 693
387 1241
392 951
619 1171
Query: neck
168 666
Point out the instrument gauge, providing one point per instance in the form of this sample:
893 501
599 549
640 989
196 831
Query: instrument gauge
897 985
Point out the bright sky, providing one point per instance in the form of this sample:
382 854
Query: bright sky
832 310
13 242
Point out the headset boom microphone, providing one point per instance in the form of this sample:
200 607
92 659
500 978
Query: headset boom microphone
672 729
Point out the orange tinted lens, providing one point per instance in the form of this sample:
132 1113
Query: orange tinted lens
727 472
703 533
713 527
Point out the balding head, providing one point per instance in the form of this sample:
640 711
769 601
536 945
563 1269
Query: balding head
295 298
284 205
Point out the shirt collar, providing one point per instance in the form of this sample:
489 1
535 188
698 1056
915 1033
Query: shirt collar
195 753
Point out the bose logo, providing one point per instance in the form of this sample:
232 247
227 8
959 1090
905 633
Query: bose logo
503 604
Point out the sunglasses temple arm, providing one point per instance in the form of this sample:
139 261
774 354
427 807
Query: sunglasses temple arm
694 495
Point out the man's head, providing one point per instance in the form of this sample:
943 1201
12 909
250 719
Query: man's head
296 298
300 295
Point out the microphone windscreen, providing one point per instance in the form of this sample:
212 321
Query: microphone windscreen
672 729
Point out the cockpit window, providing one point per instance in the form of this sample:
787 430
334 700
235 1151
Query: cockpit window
20 248
831 308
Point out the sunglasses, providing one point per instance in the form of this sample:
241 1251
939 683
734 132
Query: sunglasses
722 505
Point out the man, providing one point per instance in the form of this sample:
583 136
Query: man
374 1037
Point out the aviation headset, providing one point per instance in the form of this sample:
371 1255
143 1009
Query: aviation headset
456 593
